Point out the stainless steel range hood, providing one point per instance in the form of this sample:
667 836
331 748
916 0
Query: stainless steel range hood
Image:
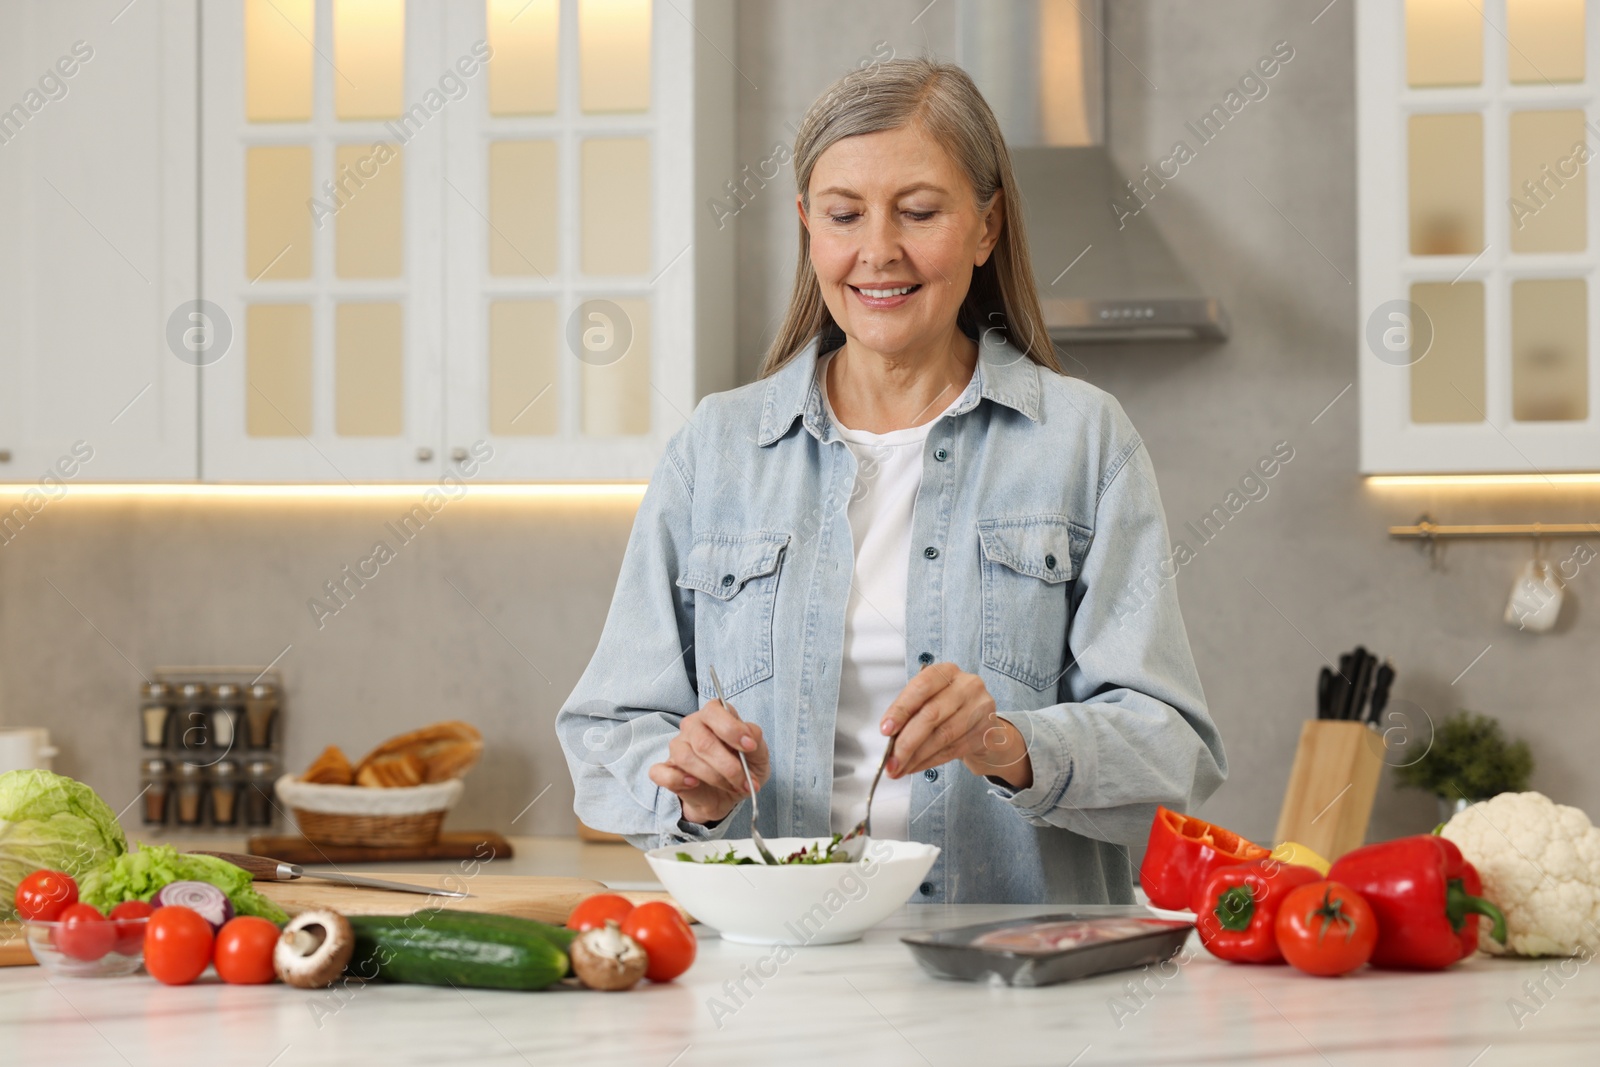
1103 270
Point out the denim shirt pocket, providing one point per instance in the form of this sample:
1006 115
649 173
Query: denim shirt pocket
735 577
1029 563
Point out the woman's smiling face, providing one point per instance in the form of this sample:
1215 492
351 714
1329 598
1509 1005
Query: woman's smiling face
895 235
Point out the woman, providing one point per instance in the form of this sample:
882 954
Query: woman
915 527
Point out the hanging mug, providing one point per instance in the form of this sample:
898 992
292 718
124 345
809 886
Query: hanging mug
1535 598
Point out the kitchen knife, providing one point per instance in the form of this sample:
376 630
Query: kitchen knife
1324 691
1344 688
1366 664
1380 691
263 869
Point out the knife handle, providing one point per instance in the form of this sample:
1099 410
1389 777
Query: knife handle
1365 666
1345 691
1380 691
261 868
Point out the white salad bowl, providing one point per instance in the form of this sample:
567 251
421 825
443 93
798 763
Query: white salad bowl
792 904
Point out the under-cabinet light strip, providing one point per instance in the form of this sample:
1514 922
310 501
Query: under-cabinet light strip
1433 481
373 491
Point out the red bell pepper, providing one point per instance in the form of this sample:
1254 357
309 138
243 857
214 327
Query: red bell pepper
1425 896
1236 909
1182 853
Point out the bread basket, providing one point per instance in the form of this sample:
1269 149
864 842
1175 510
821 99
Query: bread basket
357 815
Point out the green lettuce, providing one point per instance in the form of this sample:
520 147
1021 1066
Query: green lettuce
140 874
52 822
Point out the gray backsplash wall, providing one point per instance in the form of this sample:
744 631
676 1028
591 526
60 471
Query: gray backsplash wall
488 615
491 613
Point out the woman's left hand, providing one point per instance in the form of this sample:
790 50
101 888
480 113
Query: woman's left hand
946 714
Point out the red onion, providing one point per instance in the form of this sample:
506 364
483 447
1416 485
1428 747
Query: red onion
212 903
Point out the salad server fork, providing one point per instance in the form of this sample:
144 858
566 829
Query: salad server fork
854 843
755 810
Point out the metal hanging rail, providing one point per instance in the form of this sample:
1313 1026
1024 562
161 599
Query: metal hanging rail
1426 529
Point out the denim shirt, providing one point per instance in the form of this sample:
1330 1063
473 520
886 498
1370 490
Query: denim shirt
1038 544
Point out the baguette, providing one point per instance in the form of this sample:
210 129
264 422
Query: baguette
394 771
330 768
445 750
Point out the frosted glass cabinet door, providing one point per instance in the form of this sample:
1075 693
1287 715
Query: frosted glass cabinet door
320 231
1476 240
579 254
97 240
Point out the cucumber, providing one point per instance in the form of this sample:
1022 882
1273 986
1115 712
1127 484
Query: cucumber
559 936
460 948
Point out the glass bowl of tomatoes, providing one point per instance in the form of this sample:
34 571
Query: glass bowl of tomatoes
78 945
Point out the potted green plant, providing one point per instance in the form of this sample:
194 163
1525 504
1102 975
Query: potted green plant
1471 759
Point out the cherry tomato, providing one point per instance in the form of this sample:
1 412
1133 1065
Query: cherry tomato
177 945
83 933
1326 928
244 950
665 938
592 912
128 917
44 895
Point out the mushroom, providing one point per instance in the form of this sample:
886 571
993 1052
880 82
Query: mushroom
313 949
606 958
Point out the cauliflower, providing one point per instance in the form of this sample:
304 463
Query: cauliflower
1540 862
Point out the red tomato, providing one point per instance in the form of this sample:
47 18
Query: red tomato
592 912
1326 928
44 895
177 945
83 933
665 938
244 950
130 931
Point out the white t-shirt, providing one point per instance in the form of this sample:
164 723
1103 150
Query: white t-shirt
888 475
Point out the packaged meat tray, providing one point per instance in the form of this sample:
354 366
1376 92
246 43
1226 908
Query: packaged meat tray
1046 949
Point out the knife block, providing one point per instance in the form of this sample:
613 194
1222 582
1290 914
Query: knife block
1331 788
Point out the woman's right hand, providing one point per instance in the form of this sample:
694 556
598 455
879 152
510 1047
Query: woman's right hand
703 767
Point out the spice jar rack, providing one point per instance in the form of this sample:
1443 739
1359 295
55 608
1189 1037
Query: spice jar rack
211 739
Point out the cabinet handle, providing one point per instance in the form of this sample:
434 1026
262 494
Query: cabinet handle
458 454
424 455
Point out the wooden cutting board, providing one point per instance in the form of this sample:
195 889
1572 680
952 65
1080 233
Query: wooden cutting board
13 949
530 897
549 900
457 845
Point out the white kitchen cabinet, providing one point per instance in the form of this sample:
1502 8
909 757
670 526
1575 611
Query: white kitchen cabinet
405 204
320 240
1479 246
587 283
97 240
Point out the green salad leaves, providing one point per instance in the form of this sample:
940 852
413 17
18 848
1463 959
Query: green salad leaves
51 821
140 874
813 854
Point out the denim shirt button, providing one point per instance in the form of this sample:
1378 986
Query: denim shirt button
727 580
925 659
931 774
931 552
926 889
941 454
1050 562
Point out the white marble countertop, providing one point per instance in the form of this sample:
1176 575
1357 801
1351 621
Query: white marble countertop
872 991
